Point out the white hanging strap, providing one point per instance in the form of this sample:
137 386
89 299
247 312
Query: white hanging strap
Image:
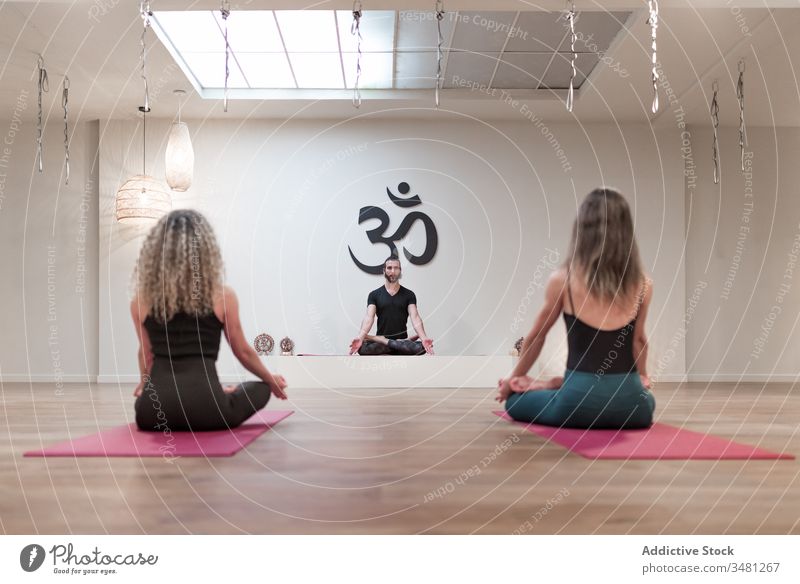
573 38
225 11
439 18
43 86
355 30
65 106
653 22
715 122
740 97
146 13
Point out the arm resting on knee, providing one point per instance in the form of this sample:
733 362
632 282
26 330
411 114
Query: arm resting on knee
242 349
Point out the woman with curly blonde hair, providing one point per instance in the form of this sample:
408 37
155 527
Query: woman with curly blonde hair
604 295
180 309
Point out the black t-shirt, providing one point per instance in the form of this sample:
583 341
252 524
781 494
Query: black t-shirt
392 311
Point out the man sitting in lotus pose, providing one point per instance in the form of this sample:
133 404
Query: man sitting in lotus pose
393 304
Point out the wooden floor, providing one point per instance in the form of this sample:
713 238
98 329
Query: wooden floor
380 461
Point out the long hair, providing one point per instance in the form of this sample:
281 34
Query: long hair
179 267
603 247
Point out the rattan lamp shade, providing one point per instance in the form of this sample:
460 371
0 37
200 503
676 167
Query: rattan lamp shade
142 199
179 158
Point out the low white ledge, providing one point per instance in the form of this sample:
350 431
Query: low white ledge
390 371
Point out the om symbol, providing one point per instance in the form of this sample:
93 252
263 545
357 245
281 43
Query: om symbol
376 235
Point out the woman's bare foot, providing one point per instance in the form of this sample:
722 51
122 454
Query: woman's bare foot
552 383
521 383
525 383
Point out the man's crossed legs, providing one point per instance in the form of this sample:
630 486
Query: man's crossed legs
379 345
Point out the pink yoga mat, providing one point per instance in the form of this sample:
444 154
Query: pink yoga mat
129 441
659 442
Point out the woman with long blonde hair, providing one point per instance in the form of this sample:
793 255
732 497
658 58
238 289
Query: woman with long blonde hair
180 309
604 295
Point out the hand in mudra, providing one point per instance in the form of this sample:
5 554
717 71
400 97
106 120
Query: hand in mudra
278 388
355 345
503 389
523 383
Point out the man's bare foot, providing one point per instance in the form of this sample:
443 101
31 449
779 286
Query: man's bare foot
378 339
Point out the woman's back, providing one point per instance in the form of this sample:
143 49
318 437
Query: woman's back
596 312
183 391
184 336
599 332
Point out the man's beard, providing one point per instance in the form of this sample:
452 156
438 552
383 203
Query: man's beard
392 279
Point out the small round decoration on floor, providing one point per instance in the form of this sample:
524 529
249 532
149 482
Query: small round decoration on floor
264 344
287 346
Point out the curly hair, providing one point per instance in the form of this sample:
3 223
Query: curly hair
180 266
604 247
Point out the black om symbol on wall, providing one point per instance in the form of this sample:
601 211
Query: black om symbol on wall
377 235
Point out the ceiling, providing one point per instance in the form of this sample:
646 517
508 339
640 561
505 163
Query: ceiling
96 43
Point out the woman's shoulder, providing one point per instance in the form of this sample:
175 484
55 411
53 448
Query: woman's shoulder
558 277
556 285
224 302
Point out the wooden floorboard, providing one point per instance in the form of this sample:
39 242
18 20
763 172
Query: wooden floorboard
373 461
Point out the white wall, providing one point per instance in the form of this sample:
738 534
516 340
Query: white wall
48 238
744 242
284 199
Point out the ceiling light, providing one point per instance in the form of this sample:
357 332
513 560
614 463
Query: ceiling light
179 158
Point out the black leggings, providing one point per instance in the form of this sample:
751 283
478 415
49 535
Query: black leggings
395 347
200 408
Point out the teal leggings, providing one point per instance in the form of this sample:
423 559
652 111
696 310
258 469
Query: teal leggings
587 400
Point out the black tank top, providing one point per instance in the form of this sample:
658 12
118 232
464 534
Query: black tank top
185 335
598 351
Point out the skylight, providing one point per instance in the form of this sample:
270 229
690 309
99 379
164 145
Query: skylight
280 49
